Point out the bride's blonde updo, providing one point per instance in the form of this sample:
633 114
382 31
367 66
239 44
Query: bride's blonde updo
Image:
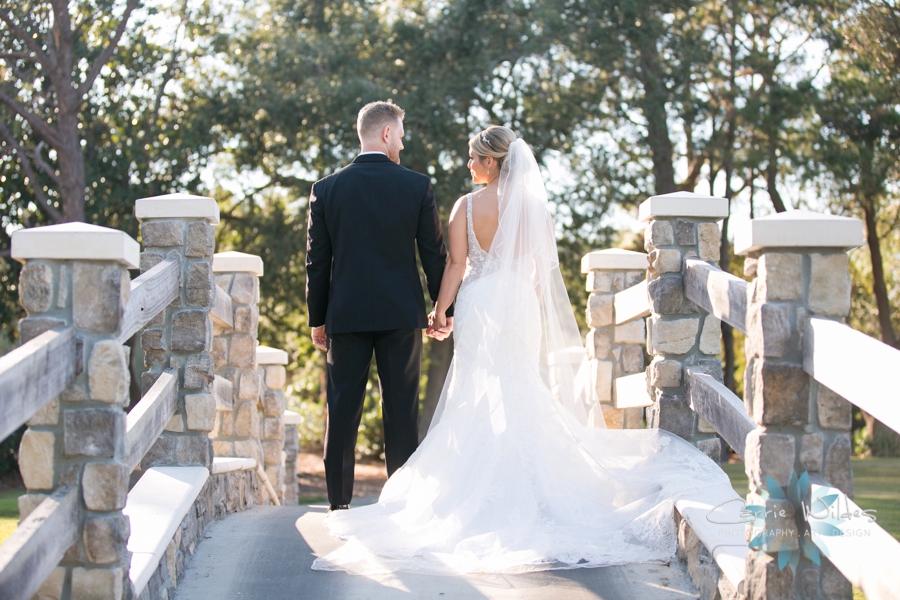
494 142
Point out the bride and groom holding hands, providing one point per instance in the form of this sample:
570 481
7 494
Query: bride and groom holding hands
510 477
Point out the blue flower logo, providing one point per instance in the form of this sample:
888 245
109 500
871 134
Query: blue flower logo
812 517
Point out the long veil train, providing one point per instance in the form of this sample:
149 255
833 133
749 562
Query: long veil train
510 478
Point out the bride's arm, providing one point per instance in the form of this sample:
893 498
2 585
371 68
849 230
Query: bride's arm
456 262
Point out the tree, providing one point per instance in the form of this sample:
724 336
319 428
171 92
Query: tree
139 129
857 158
53 55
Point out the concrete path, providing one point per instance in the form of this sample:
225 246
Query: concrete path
265 553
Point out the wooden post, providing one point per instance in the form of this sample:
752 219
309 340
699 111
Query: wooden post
77 275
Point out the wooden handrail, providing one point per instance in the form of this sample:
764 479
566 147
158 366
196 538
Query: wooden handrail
631 304
31 553
720 408
150 294
717 292
149 417
855 366
222 311
33 374
866 554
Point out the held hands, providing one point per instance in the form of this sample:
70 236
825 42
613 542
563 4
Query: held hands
319 338
439 326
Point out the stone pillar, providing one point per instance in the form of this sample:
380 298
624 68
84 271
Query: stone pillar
180 227
291 450
236 432
801 271
614 350
77 275
272 374
681 334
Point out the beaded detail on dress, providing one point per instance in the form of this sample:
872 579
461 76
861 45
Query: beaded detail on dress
478 261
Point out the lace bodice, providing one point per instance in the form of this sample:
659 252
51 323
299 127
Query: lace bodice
478 259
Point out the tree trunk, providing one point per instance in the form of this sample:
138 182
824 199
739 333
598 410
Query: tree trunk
71 169
879 287
441 355
654 109
70 158
725 248
772 175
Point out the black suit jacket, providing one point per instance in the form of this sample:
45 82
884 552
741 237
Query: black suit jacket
365 222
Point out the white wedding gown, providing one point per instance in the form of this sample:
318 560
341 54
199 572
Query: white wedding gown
510 481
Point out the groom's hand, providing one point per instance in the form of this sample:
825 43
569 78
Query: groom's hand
320 340
441 333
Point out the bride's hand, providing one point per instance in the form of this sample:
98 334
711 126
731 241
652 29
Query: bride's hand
437 326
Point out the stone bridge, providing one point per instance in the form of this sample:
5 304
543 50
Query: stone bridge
191 492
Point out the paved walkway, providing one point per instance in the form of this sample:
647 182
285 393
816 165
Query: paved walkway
265 553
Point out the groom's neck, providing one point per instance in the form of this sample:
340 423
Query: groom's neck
372 148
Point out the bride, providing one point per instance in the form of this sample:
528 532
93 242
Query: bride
510 478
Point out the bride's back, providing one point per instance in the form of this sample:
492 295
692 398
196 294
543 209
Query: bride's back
485 217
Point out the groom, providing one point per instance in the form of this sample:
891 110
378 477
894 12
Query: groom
363 291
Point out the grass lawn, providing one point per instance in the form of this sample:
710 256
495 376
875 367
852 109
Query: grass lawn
9 512
876 486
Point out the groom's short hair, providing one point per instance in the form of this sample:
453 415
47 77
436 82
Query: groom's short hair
375 115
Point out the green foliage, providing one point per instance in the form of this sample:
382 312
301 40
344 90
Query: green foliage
9 452
617 99
144 128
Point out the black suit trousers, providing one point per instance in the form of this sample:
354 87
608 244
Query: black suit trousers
398 357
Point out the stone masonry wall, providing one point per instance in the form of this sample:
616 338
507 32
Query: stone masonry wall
614 350
802 425
236 432
680 333
271 428
703 570
222 495
291 449
78 439
181 337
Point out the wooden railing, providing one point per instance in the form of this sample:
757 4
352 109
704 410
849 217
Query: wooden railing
852 364
30 377
150 294
33 374
856 366
149 417
631 304
77 420
717 292
29 555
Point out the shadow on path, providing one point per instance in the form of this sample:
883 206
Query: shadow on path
266 553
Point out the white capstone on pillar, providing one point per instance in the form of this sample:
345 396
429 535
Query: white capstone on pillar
614 350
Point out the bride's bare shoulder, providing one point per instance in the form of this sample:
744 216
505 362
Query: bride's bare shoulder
485 199
459 207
